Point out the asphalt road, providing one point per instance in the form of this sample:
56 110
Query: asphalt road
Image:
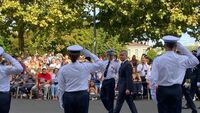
50 106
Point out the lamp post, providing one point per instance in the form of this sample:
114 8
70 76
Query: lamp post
94 27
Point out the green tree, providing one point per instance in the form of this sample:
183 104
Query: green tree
84 37
142 20
42 18
151 53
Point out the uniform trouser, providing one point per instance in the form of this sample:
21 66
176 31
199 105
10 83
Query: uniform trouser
108 94
76 102
188 97
120 100
169 99
5 99
194 90
144 84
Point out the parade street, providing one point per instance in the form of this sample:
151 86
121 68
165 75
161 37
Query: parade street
50 106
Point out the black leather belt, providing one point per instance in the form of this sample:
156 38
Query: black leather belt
171 85
109 79
76 91
4 92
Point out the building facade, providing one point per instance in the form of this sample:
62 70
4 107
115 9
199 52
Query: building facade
136 49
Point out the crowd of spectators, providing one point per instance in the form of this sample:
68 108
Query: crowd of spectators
39 78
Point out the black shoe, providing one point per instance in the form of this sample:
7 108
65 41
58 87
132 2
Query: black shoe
198 107
185 107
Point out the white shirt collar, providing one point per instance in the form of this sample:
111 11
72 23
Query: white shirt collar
124 61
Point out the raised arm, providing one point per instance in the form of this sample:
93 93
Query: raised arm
97 65
16 67
191 60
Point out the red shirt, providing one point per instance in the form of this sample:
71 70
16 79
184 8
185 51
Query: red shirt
43 77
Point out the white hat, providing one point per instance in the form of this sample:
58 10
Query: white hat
110 52
75 48
1 50
170 39
44 67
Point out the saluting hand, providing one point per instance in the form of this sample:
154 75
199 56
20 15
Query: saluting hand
1 50
198 84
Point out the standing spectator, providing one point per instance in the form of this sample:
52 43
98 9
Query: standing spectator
134 61
54 86
143 69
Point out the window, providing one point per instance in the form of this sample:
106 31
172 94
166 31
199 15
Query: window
144 51
136 52
129 52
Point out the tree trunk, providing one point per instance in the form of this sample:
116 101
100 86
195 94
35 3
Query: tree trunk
21 38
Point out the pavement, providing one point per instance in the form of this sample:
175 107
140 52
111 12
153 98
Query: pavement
51 106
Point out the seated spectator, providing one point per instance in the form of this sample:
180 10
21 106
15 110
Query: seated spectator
54 86
16 82
13 84
92 90
29 82
137 83
95 78
53 63
43 83
58 63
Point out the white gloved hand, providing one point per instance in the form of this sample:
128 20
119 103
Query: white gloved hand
153 96
61 103
183 50
198 51
187 85
61 106
198 84
86 52
1 50
179 45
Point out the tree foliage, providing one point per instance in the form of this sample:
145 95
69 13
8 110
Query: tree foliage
51 25
84 37
151 53
42 18
149 19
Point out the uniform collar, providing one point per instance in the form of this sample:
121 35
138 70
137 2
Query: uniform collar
77 62
109 60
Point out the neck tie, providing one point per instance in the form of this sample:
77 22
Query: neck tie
121 64
106 71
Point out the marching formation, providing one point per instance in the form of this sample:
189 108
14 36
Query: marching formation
168 79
